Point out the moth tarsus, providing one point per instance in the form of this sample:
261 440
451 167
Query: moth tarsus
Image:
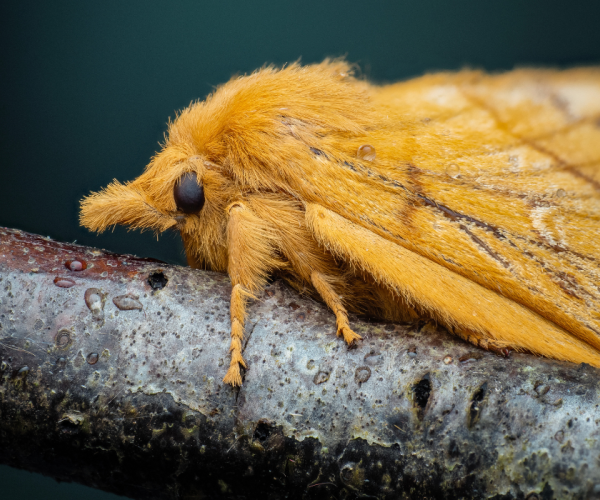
469 199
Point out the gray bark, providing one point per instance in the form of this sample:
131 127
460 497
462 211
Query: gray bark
116 382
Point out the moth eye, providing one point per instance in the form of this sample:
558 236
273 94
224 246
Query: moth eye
188 194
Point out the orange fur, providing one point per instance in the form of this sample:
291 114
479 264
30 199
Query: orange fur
473 199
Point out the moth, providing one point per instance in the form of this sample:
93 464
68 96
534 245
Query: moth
469 198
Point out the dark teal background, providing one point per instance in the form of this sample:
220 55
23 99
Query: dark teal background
86 88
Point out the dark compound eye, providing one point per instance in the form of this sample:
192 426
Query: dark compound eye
188 194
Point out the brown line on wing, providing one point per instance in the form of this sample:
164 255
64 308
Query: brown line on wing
415 191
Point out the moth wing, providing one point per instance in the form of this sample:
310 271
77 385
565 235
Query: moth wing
495 178
474 312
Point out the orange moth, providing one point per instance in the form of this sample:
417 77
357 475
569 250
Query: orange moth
472 199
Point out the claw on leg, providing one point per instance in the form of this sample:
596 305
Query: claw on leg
349 335
233 376
334 302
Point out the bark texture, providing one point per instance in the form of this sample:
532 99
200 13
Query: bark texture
111 376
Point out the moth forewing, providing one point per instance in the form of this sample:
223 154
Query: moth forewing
449 297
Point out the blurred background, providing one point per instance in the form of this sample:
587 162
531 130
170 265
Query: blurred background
86 89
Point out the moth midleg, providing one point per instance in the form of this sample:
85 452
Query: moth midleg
450 298
334 302
250 244
310 264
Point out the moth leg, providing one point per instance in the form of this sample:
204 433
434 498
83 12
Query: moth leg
237 311
250 243
334 302
496 346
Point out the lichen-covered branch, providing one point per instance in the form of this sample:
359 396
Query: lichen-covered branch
111 374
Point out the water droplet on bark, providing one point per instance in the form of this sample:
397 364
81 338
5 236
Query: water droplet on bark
63 282
94 299
76 265
127 302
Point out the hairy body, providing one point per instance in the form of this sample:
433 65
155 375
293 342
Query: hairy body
472 199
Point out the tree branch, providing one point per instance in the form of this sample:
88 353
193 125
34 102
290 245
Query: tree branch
111 376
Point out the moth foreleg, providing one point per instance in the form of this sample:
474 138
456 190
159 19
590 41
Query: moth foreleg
250 244
237 310
333 300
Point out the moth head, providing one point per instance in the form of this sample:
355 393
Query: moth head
178 190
